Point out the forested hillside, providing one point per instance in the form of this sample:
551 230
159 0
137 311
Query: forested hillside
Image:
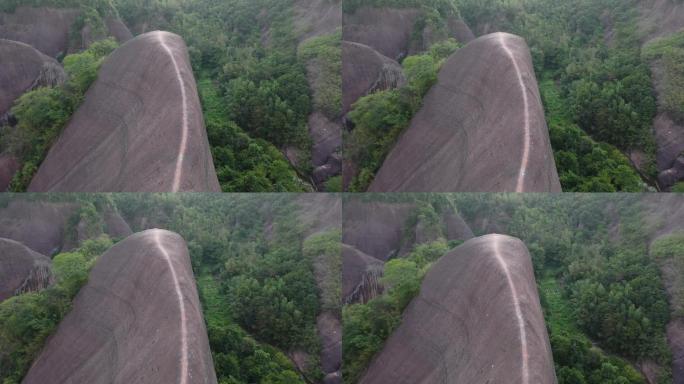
597 85
252 80
257 276
599 279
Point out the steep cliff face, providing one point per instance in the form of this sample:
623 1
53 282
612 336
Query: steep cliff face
391 37
38 225
320 214
665 214
317 19
662 18
49 29
360 276
126 327
669 134
49 227
46 29
375 228
140 127
22 270
365 71
477 319
314 18
374 232
481 128
23 68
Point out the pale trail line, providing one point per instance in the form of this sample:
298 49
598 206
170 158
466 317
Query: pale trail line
184 139
526 152
518 312
181 305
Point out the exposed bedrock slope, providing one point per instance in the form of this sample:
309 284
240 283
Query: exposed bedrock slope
375 228
140 128
23 68
660 18
481 128
137 320
49 227
394 35
40 226
360 276
477 319
21 269
669 134
316 17
48 29
322 213
665 212
365 70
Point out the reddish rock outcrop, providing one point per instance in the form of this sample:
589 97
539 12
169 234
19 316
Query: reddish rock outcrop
9 165
481 128
137 320
477 319
40 226
140 128
23 68
46 29
22 270
375 228
660 18
364 71
361 275
49 29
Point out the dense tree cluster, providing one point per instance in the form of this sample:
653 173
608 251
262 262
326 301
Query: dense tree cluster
587 54
41 114
27 320
381 117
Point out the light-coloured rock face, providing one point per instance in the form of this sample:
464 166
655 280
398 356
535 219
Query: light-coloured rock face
140 128
23 68
669 134
364 71
660 18
481 128
9 165
316 17
22 270
477 319
48 29
137 320
387 30
375 228
361 275
40 226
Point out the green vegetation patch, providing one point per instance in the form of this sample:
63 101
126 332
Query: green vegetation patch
27 320
43 113
324 58
670 51
381 117
366 326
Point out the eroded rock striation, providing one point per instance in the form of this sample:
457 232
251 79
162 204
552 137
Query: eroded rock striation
140 128
360 276
22 270
50 30
137 320
477 319
40 226
481 128
23 68
365 71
